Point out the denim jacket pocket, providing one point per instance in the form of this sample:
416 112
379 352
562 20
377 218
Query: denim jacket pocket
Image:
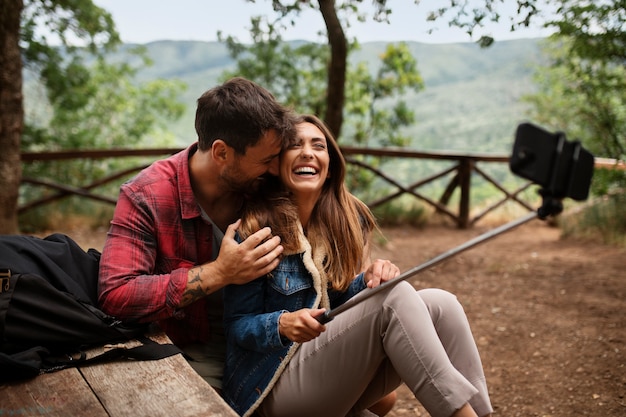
290 277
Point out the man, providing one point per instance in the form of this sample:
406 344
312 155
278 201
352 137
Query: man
171 249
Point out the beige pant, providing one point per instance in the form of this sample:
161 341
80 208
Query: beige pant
421 338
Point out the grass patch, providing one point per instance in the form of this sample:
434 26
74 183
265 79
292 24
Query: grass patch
402 211
70 213
601 220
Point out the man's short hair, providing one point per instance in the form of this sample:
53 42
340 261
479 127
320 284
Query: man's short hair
240 112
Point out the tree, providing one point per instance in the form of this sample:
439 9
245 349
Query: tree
337 15
113 111
582 91
63 44
296 75
11 112
87 23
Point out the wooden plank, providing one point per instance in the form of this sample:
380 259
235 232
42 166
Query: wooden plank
124 388
167 387
58 394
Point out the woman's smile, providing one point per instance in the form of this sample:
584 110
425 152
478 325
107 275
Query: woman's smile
304 165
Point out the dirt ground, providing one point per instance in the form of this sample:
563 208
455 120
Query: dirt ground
548 314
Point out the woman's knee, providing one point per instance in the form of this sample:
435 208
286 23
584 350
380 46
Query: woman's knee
441 306
401 290
439 301
446 311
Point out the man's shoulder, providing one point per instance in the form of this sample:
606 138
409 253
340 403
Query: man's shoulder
162 174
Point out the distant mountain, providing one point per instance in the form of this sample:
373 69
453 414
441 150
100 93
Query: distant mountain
471 101
472 97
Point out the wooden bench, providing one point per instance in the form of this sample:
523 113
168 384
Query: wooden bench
167 387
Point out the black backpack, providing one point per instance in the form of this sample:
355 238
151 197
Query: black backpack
48 313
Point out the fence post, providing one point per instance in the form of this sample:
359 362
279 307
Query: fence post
465 175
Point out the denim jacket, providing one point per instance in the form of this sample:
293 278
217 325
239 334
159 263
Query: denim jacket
256 353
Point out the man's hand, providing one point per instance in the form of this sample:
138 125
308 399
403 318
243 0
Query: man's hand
379 271
301 326
256 256
237 263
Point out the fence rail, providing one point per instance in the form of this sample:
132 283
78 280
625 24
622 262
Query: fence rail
463 167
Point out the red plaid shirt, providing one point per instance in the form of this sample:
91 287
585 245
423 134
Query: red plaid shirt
157 234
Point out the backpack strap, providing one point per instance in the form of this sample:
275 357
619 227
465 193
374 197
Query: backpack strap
21 365
149 350
5 279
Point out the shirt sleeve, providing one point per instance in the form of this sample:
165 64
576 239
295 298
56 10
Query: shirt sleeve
129 287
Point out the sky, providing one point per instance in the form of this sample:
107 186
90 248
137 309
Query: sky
143 21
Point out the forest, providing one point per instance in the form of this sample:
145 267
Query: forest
100 93
481 89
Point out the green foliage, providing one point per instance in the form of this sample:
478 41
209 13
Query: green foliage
478 89
53 35
113 111
90 101
297 75
585 99
583 93
360 180
71 212
469 17
602 221
402 211
374 104
595 28
294 73
127 126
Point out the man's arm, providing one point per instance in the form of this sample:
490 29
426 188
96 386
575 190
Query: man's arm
133 284
146 273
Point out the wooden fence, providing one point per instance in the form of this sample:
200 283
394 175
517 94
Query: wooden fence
460 171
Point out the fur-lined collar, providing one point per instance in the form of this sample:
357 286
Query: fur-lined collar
314 265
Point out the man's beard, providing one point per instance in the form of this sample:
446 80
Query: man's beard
232 178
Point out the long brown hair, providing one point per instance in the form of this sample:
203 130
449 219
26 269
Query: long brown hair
340 223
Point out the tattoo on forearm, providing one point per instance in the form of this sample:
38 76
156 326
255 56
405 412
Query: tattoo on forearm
194 289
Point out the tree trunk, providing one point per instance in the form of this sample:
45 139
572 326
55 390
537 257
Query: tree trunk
335 96
11 113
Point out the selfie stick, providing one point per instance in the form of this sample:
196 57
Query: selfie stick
367 293
569 176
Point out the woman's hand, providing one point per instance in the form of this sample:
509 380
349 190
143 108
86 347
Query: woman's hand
301 326
379 271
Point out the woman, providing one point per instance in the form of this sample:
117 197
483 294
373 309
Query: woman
282 362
